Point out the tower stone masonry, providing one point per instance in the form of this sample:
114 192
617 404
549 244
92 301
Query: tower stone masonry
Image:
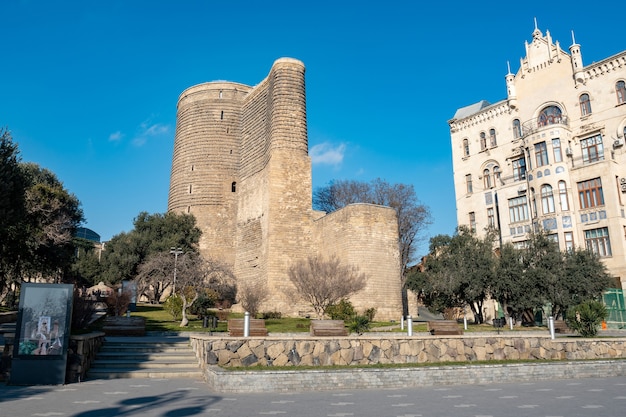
241 167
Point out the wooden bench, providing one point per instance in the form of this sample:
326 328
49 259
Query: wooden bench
124 326
560 326
257 327
328 328
444 327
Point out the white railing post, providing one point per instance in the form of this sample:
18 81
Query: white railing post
551 326
246 324
409 325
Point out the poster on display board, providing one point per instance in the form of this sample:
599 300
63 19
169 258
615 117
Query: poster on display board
42 334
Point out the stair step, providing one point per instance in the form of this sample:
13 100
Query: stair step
110 373
145 357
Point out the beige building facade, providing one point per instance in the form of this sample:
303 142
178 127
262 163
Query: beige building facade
551 153
241 167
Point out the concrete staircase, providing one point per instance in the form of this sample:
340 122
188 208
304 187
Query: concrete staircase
145 357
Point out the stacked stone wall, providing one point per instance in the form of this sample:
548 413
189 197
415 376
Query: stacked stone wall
373 350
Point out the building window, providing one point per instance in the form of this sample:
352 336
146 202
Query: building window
491 218
518 209
547 199
466 150
569 241
556 150
597 241
593 149
549 116
233 187
517 129
483 141
519 169
620 89
492 138
468 184
541 154
563 196
585 105
486 179
590 193
496 174
472 220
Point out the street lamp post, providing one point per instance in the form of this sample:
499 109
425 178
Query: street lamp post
176 252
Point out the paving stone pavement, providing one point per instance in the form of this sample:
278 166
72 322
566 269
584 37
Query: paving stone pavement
597 397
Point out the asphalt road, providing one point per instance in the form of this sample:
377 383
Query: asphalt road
596 397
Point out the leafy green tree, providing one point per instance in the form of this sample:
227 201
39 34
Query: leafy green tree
152 233
458 272
413 217
12 212
512 288
86 268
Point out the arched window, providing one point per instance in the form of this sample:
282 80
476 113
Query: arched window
517 129
547 199
483 141
233 187
466 150
563 196
492 138
486 179
496 174
585 105
620 89
549 116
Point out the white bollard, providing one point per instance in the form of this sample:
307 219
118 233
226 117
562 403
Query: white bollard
465 322
511 323
246 324
551 326
409 325
402 323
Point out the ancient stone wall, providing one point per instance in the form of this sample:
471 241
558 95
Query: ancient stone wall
241 167
363 235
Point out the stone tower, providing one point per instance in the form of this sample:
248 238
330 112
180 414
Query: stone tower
241 167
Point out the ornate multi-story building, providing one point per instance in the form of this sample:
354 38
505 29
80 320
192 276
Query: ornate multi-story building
241 167
551 154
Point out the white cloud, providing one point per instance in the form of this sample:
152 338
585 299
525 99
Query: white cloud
116 136
147 131
325 153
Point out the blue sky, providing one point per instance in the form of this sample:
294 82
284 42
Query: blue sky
88 89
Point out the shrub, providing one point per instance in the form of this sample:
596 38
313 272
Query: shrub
271 315
370 313
358 324
585 318
174 306
117 302
201 306
343 310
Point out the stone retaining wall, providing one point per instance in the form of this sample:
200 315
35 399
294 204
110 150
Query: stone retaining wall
227 381
370 350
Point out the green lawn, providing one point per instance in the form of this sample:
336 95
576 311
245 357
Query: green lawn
157 319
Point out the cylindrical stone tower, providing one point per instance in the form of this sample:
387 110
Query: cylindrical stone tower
205 164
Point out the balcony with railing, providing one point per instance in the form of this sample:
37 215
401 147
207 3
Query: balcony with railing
534 125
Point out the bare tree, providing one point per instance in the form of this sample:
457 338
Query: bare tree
155 275
251 296
413 217
194 274
322 282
